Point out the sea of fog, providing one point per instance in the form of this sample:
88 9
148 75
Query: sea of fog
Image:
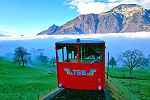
115 43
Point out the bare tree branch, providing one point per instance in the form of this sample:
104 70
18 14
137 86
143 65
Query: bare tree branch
133 59
20 55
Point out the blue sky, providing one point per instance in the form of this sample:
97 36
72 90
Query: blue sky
32 16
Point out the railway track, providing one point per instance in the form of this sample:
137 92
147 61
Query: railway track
71 94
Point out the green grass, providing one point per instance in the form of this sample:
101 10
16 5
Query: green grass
137 90
48 65
137 73
118 91
24 83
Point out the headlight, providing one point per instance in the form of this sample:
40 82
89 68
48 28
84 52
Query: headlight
60 85
99 87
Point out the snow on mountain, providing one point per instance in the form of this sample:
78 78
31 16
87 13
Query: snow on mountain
121 19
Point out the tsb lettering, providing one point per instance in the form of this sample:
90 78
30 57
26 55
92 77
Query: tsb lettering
80 72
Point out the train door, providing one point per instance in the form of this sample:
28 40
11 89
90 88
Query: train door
91 59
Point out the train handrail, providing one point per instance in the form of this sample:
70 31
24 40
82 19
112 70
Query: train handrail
94 61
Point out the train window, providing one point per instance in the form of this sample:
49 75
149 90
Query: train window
91 53
67 53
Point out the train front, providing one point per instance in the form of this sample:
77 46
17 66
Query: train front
81 64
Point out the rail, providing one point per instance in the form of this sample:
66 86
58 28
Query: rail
71 94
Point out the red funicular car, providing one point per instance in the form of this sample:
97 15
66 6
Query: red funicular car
81 64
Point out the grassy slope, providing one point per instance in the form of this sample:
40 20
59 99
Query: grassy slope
48 65
145 74
139 89
17 83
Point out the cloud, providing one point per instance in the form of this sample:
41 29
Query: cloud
98 6
7 31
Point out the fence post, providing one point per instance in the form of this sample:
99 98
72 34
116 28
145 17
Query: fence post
38 97
108 65
50 90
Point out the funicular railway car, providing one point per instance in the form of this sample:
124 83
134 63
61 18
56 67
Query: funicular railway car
81 64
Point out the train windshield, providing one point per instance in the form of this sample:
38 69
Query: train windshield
90 53
67 53
87 54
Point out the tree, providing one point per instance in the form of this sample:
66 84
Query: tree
20 55
44 59
133 59
148 58
29 60
112 62
53 61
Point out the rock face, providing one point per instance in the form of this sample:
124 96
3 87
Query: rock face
51 30
123 18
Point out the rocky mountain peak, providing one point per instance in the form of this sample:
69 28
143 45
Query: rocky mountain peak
53 26
128 9
123 18
51 30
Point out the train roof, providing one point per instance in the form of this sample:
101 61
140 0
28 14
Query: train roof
81 41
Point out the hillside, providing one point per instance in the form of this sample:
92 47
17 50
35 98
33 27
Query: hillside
18 83
123 18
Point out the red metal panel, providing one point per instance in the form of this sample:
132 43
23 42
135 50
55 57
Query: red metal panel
79 76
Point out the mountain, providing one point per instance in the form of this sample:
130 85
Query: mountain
123 18
51 30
